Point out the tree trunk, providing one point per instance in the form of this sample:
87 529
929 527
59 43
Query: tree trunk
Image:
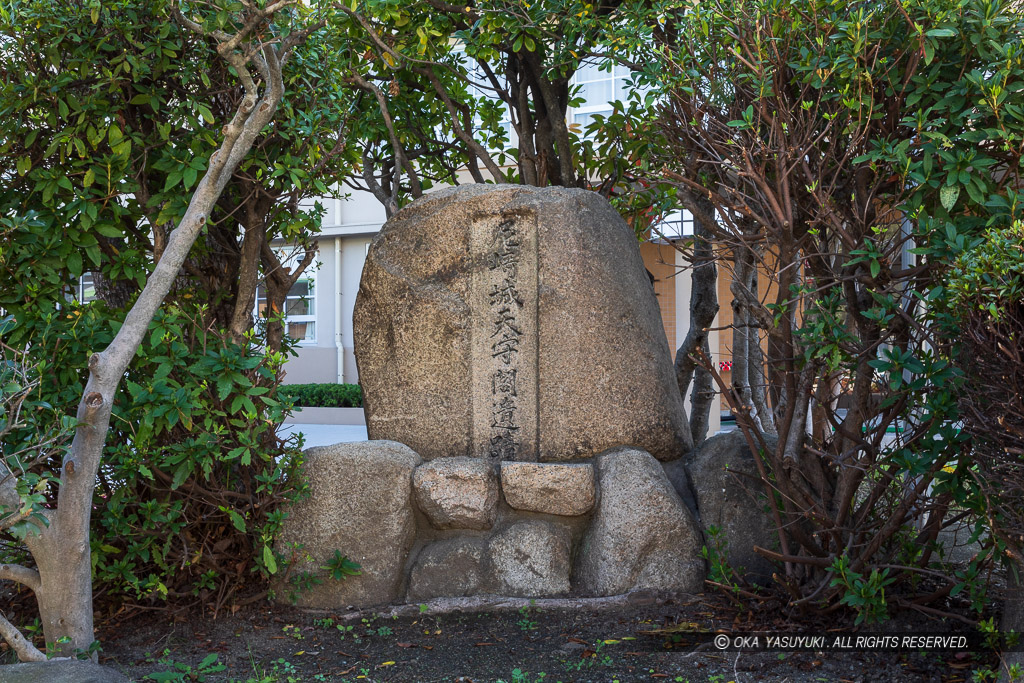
703 309
757 378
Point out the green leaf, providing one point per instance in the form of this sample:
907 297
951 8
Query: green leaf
237 520
269 560
75 263
181 474
205 113
948 196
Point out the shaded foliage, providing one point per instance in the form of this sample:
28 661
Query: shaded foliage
108 117
850 153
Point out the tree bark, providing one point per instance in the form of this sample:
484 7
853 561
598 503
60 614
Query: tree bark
703 309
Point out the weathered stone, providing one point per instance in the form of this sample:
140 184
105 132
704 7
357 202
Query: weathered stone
448 568
554 489
360 504
457 493
60 671
515 323
531 559
642 536
680 480
729 496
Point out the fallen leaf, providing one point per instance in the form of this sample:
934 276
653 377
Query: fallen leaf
485 644
386 664
578 641
406 644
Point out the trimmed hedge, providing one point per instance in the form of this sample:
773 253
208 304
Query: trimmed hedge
324 395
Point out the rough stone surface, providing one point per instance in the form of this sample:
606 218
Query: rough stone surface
515 323
360 503
680 480
729 496
531 559
448 568
642 535
457 493
551 488
63 671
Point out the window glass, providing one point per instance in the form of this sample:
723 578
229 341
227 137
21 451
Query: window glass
300 304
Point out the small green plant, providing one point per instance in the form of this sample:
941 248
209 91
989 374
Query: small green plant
520 676
340 567
326 622
591 658
349 630
384 631
423 609
983 675
865 595
184 672
720 571
292 630
972 580
525 623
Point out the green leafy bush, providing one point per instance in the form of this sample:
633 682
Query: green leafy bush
189 494
324 395
985 309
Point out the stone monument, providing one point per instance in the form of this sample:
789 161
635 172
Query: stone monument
509 337
514 323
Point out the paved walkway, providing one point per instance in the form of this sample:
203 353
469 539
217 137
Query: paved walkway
325 435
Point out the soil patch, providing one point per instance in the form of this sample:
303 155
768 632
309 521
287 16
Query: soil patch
645 638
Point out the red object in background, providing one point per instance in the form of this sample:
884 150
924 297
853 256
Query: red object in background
725 365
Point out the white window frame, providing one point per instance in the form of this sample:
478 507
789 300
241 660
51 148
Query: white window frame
82 290
290 257
673 226
614 75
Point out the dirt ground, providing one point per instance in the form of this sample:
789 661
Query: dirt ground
650 638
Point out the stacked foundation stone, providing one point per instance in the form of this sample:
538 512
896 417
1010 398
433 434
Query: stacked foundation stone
461 526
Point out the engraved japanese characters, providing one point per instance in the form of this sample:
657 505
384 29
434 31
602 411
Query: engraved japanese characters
514 323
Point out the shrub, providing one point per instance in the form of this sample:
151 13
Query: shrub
986 304
324 395
189 492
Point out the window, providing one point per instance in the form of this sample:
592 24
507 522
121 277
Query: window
300 304
673 226
598 88
482 88
86 289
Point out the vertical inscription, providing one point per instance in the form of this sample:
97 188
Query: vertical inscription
504 340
